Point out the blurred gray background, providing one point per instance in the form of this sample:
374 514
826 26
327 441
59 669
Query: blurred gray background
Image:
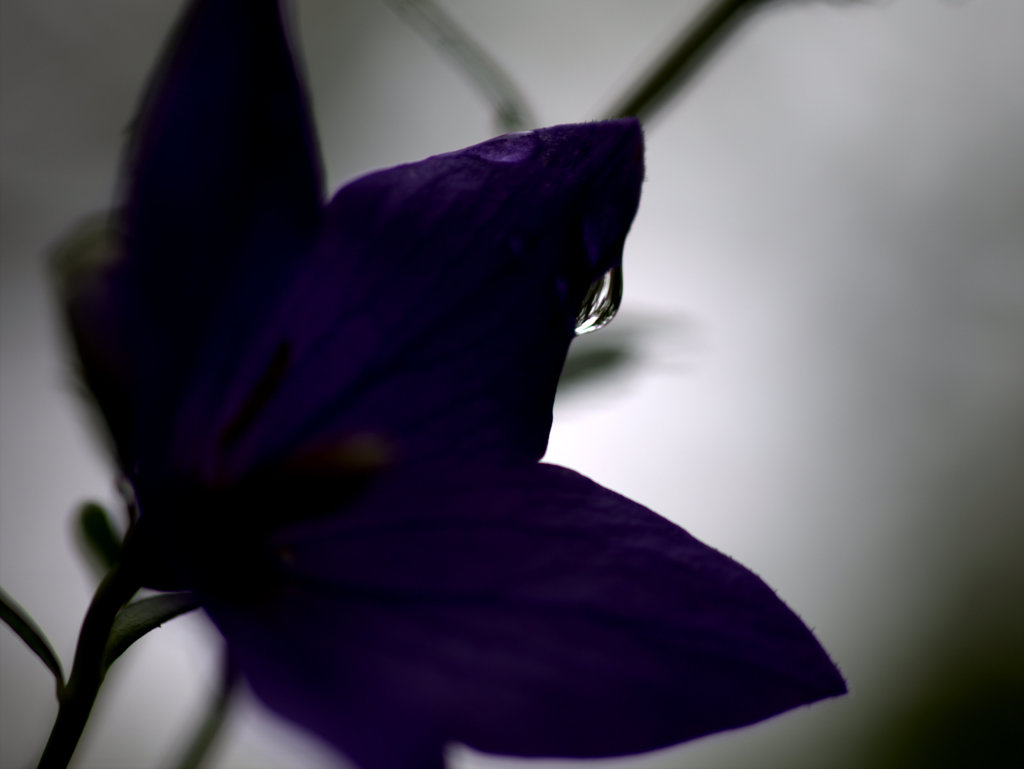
821 348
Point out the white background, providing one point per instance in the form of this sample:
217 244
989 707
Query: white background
824 307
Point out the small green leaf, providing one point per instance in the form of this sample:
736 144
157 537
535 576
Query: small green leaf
98 536
27 630
139 617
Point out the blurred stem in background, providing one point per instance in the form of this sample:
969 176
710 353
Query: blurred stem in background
209 725
671 70
511 112
683 58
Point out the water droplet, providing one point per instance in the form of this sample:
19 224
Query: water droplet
601 302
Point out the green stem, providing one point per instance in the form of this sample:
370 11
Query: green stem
213 720
441 30
683 58
89 667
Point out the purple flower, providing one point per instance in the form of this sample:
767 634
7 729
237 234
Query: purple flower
333 414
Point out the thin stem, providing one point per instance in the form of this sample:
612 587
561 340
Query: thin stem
89 669
510 108
213 720
683 58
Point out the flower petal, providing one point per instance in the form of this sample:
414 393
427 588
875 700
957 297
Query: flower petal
437 310
222 194
528 612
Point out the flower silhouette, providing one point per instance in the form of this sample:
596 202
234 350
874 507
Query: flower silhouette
333 414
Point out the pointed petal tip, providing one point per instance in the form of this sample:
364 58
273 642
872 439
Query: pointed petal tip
629 127
812 674
621 134
836 685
